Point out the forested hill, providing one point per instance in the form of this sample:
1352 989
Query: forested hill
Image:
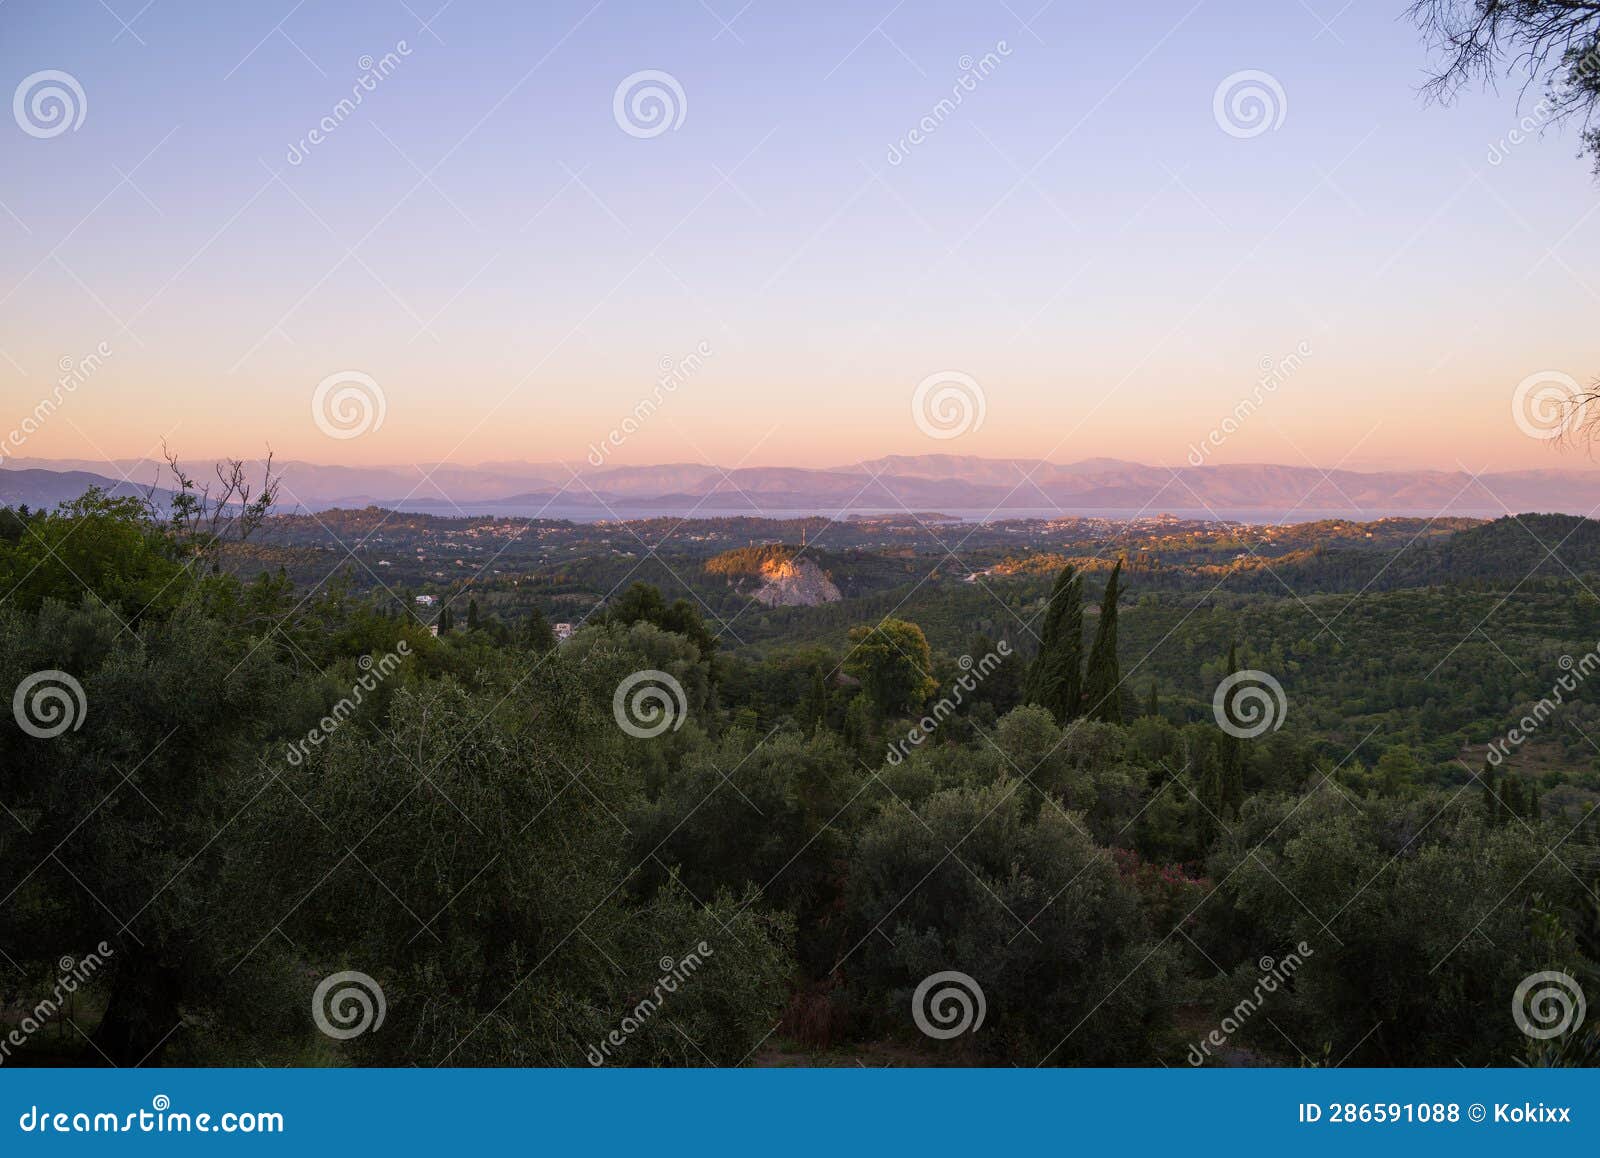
1388 555
750 560
1506 552
1547 545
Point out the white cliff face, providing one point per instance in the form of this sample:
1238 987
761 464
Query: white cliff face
794 583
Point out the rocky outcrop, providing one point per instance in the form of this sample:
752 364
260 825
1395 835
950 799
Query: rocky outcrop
794 583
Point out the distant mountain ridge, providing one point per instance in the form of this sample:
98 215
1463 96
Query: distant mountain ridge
962 483
47 489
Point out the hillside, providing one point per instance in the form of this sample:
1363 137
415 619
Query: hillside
782 576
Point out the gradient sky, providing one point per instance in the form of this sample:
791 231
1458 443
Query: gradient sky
483 239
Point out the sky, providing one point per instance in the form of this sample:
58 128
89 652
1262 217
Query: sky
495 255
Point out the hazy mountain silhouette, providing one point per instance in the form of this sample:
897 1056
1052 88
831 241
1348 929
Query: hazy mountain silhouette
946 482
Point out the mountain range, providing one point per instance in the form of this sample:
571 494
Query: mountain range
959 485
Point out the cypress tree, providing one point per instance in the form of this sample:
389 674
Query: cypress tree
1102 682
1153 706
1032 693
815 709
536 632
1491 805
445 620
472 615
1055 681
1512 795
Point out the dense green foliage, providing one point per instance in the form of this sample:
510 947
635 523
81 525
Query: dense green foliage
1055 681
270 784
1102 677
749 560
